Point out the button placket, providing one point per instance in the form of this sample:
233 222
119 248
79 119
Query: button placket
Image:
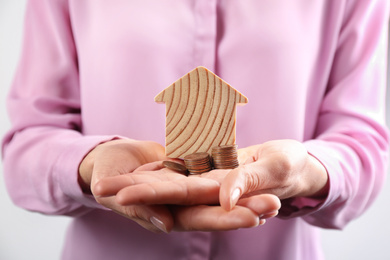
205 33
205 18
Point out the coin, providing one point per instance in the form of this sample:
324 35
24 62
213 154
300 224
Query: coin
198 163
196 157
230 147
225 157
175 166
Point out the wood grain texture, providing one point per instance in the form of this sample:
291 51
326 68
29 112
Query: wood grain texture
200 113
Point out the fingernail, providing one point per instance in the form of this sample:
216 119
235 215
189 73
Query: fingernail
271 214
257 222
235 196
158 224
262 222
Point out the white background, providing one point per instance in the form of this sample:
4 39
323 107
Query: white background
26 235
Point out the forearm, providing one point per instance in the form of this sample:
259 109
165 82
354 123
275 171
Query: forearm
41 169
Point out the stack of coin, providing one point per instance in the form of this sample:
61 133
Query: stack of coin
198 163
178 167
225 157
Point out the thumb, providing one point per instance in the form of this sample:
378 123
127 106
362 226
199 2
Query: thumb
244 179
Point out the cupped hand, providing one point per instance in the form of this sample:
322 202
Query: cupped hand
118 157
282 167
193 201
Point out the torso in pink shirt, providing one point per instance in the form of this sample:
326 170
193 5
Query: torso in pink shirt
307 67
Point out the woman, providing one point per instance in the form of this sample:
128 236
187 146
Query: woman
312 135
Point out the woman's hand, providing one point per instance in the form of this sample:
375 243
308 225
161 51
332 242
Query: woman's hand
283 168
112 166
193 200
118 157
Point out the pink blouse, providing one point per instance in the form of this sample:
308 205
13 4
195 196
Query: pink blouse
313 71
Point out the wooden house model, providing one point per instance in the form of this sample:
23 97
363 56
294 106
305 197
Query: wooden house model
200 113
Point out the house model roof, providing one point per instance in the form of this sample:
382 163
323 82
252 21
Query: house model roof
200 113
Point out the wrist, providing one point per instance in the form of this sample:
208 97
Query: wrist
318 184
86 167
85 172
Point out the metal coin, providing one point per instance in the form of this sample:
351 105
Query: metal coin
225 157
175 166
198 163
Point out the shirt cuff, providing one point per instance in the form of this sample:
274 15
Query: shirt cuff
67 169
307 206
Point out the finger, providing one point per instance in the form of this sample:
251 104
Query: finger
269 215
213 218
110 186
264 205
156 218
153 166
185 191
242 180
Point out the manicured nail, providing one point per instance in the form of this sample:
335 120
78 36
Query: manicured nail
235 196
158 224
271 214
262 222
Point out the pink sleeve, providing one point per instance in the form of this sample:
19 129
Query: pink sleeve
352 139
42 151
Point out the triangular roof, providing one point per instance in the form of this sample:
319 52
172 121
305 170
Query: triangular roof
198 78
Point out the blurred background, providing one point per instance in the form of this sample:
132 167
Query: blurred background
27 235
